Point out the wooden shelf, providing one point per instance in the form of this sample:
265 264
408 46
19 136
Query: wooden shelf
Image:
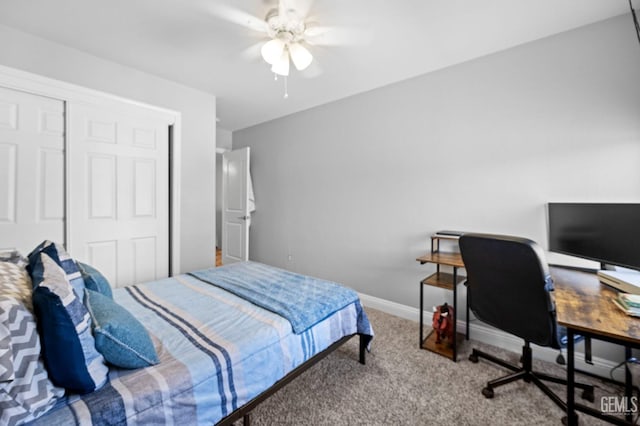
442 258
444 348
437 236
447 281
443 280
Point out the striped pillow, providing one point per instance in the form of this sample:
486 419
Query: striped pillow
59 255
15 282
64 325
29 393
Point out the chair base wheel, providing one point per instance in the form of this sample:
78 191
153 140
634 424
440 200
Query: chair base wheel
487 392
473 358
565 420
587 394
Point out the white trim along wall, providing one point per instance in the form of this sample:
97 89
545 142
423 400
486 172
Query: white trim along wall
492 336
32 83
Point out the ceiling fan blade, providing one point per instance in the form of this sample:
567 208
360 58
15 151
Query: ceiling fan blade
301 8
237 16
252 53
317 35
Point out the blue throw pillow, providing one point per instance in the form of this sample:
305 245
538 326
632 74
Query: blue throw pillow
120 337
94 280
64 325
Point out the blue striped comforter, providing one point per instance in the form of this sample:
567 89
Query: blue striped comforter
217 351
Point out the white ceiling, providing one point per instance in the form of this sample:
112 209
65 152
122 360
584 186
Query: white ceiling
187 41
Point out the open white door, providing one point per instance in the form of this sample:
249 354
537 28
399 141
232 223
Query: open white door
235 206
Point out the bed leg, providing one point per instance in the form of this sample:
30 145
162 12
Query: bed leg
246 419
363 348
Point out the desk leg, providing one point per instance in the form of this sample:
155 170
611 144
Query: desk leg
421 313
467 303
455 315
628 385
572 417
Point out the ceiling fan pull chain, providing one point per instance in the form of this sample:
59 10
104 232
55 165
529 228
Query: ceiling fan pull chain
286 88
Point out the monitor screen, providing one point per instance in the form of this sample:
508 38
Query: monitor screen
607 233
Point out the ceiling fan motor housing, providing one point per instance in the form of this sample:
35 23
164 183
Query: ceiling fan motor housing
289 28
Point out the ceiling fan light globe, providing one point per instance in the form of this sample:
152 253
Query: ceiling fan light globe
272 50
300 56
281 66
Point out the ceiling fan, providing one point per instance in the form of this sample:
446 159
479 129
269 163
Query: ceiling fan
288 32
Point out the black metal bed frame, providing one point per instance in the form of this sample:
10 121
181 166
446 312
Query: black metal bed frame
245 411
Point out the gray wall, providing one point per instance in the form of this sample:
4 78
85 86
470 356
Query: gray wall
352 190
22 51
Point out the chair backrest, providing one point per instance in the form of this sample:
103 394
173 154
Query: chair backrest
508 286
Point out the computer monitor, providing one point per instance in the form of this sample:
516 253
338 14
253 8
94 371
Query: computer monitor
605 232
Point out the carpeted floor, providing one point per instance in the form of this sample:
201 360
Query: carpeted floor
404 385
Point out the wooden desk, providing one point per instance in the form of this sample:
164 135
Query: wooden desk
584 307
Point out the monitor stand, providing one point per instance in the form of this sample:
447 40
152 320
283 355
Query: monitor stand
626 281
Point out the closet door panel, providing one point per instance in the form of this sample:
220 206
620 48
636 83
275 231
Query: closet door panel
32 132
119 186
101 186
8 168
51 166
104 254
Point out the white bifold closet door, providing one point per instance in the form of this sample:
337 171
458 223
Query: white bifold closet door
118 182
31 170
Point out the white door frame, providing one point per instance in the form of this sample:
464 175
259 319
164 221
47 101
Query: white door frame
67 92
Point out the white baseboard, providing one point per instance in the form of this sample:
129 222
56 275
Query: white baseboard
491 336
389 307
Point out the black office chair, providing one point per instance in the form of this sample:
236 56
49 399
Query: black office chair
509 288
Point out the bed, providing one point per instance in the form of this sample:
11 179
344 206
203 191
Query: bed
219 354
